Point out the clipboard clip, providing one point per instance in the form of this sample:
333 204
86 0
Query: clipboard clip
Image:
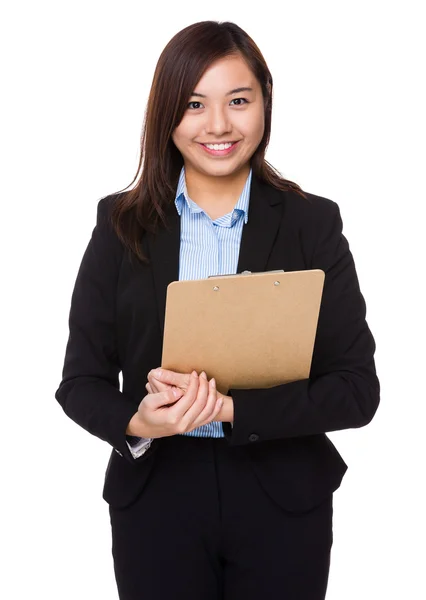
230 274
245 273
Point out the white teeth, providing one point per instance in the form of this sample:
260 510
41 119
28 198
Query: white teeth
218 146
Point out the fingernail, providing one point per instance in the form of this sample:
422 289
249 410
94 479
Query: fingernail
203 375
194 373
213 382
158 373
176 392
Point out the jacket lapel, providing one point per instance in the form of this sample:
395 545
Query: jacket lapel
164 249
264 218
257 240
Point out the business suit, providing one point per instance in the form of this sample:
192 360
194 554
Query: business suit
117 320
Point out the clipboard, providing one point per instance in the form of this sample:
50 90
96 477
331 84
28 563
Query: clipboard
250 330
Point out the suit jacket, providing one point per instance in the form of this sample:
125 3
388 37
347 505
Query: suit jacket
116 324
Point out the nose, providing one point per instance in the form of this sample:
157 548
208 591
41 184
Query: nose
217 121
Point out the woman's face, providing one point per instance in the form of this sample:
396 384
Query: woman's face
218 114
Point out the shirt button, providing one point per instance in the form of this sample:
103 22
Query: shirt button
253 437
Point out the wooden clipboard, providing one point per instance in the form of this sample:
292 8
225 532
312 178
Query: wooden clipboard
251 330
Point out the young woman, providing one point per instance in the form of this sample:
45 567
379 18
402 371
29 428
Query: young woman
214 496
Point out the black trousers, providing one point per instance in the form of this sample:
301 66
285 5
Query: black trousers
204 529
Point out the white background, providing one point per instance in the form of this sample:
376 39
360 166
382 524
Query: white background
348 124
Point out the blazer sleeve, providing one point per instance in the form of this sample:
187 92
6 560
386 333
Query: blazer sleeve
342 390
89 392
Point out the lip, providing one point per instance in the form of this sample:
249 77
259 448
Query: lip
221 152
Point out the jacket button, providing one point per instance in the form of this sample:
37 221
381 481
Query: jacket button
253 437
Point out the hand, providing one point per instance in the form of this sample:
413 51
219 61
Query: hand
174 411
161 380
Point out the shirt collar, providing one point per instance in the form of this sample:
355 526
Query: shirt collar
182 196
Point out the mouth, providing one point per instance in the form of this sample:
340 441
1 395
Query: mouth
222 149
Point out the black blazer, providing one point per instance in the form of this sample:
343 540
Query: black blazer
116 324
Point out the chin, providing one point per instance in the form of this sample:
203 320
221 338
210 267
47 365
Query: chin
220 170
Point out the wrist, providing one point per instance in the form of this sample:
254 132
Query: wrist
226 413
136 427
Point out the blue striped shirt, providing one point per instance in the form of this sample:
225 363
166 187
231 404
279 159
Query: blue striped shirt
209 247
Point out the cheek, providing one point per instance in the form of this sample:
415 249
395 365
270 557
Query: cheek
260 125
177 137
254 127
184 133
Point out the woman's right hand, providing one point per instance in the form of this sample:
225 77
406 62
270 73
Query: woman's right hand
174 412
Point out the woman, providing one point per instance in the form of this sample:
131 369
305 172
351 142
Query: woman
212 496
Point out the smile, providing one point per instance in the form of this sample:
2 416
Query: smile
220 149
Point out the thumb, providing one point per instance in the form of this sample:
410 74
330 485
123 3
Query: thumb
169 396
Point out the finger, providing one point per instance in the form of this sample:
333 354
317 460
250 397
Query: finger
163 399
218 405
189 397
201 403
153 390
212 408
172 378
157 387
156 384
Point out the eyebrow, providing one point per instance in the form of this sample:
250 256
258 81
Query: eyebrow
236 91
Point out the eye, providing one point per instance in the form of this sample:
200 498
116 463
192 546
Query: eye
245 101
194 102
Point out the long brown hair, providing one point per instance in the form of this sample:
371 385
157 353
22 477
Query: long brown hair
180 66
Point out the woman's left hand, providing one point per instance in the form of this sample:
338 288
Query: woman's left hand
160 380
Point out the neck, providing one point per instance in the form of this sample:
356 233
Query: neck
214 192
